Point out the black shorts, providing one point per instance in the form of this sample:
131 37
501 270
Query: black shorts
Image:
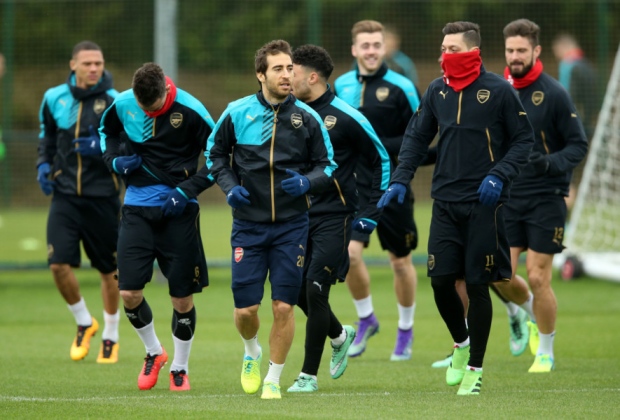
536 223
396 229
468 239
327 254
146 235
93 221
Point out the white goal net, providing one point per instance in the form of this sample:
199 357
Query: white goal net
593 233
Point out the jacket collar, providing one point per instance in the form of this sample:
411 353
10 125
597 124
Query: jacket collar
105 84
276 107
323 100
368 77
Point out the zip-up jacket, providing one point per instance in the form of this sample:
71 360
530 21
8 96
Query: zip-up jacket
352 137
170 144
265 140
483 130
67 112
388 100
559 134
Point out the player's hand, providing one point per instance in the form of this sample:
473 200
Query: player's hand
88 146
539 163
296 185
125 165
237 197
175 203
396 189
47 186
490 190
364 225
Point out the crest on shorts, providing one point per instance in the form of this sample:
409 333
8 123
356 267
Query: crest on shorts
176 119
50 251
330 122
296 120
431 261
238 254
538 97
483 95
99 106
382 93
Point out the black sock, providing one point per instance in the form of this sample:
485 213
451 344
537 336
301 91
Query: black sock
479 319
140 316
183 325
450 306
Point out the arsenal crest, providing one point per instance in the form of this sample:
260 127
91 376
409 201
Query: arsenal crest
296 120
431 261
238 254
538 97
483 95
330 122
382 93
176 119
99 106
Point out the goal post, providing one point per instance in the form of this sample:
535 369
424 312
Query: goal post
592 236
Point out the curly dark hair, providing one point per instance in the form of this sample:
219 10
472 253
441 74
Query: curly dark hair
271 48
315 58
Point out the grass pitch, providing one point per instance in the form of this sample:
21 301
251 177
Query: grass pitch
41 381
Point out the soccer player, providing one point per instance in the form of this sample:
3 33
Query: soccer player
85 203
163 131
536 212
281 154
333 212
387 100
484 140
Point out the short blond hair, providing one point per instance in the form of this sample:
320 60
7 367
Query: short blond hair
366 26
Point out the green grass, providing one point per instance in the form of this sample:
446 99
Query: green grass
40 380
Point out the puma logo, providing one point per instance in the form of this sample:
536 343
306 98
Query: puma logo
493 183
250 118
132 115
319 285
522 113
329 270
443 94
125 171
174 202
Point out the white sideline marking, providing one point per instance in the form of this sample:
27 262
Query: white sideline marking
11 398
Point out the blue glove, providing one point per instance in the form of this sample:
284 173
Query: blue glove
490 190
125 165
88 146
47 186
297 185
364 225
395 189
175 203
237 197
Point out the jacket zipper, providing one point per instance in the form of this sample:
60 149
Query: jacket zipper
458 114
544 140
489 144
271 174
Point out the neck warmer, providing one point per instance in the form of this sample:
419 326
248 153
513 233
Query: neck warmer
461 69
170 97
528 79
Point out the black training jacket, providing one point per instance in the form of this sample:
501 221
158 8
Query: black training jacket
483 130
559 134
68 112
264 140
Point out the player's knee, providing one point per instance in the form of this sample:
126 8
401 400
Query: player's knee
131 298
401 265
281 310
246 313
60 271
539 282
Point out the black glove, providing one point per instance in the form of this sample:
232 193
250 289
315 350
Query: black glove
539 163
